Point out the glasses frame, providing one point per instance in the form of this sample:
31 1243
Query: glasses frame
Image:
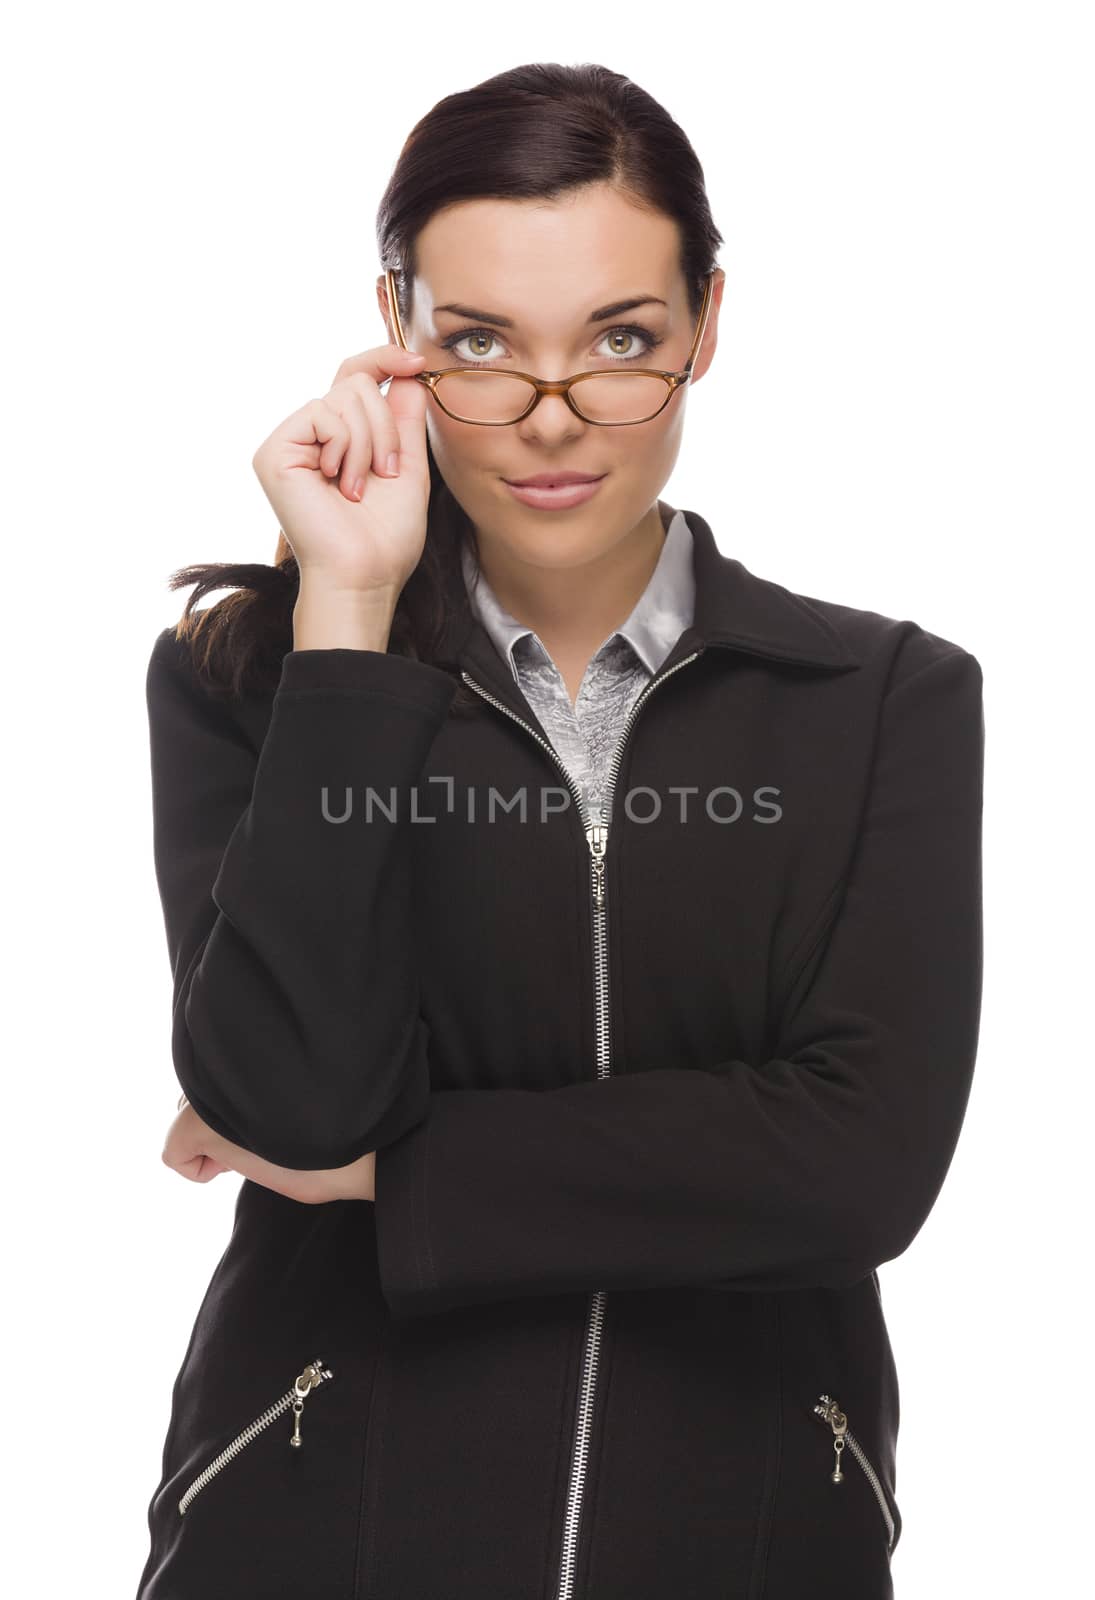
542 386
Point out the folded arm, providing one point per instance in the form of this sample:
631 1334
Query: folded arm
811 1168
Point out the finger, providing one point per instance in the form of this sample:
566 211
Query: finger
382 362
330 432
349 404
198 1169
407 400
383 429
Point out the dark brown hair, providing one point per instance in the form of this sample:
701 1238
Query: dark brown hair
533 132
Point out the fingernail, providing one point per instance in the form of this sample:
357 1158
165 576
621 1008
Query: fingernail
392 465
358 489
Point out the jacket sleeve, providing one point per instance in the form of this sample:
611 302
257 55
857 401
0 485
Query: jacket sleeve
811 1168
296 1031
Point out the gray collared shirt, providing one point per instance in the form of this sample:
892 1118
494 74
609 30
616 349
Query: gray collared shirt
585 734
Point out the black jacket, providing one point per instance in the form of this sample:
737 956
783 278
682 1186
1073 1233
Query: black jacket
648 1117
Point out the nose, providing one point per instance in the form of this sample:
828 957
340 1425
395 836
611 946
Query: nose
551 419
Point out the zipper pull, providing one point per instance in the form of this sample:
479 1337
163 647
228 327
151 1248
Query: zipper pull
832 1414
597 839
312 1376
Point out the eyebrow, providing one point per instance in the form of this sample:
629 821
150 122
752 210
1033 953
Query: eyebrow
602 314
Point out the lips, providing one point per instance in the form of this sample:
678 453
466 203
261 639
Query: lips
554 480
557 497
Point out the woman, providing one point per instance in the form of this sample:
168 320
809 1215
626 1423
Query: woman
604 916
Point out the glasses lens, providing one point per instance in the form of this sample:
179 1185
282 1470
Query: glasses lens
619 396
484 396
499 397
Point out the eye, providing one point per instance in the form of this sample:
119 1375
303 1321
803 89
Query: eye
484 335
650 341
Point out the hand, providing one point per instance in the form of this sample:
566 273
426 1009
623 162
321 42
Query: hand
370 542
196 1152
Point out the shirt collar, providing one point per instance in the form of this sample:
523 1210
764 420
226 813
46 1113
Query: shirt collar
664 609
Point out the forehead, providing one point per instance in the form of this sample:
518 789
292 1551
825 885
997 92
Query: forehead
548 261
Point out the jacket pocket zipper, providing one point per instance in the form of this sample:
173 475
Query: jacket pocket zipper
313 1375
827 1410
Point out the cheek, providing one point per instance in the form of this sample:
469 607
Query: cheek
455 445
654 442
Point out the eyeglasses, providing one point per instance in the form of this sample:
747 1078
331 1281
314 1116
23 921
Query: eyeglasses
497 398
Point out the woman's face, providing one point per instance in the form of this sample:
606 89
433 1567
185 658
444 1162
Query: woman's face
546 266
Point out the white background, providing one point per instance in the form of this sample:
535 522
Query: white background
899 417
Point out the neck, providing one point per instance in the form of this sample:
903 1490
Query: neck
573 610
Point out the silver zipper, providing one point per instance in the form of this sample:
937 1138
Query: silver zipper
597 838
829 1411
313 1375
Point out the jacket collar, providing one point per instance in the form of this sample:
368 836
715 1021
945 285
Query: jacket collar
735 610
738 610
